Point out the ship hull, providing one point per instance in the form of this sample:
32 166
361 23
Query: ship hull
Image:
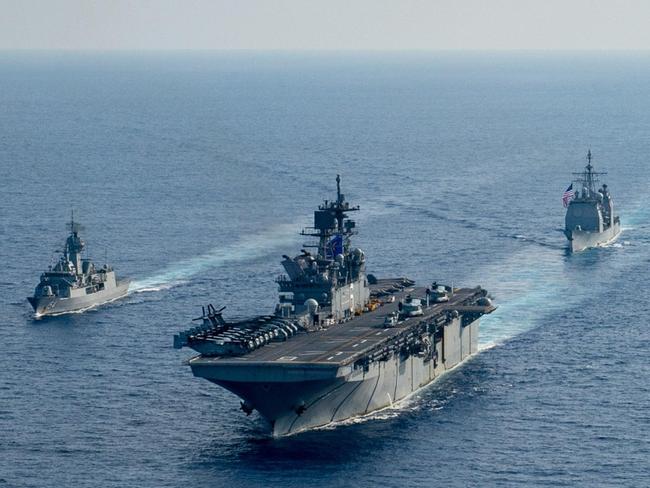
54 305
298 398
580 240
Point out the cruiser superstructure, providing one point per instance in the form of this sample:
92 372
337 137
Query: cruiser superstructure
590 220
74 283
340 343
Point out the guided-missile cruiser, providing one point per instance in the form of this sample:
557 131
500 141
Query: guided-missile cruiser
73 283
340 343
590 220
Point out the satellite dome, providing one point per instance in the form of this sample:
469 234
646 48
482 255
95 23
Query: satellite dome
484 302
312 305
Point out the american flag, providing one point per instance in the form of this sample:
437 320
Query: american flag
568 195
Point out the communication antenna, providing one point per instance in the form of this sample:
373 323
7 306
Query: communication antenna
589 177
73 226
338 188
330 221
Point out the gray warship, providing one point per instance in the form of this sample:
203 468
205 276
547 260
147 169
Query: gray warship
340 343
74 283
590 220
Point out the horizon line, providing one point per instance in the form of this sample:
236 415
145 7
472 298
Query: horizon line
328 50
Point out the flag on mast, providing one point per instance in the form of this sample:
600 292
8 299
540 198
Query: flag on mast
334 246
569 193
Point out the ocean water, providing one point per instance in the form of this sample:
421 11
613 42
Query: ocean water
193 173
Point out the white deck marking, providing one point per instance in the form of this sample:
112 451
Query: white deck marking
330 358
365 340
338 353
355 345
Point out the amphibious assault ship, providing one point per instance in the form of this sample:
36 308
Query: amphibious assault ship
590 220
340 343
74 283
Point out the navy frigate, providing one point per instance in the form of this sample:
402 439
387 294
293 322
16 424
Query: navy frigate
340 343
74 283
590 220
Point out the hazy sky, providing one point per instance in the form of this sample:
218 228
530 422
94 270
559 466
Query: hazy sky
325 24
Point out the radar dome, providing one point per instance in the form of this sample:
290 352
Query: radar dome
484 302
312 305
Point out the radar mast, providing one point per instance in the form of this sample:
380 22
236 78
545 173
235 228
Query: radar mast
332 227
73 244
588 178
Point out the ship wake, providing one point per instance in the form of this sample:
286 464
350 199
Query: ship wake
528 287
244 250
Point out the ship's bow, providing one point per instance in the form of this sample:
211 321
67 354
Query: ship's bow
291 397
41 305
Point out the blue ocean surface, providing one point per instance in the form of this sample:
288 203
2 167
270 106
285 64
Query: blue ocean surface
194 172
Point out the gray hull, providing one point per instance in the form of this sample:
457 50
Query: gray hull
295 398
580 240
56 305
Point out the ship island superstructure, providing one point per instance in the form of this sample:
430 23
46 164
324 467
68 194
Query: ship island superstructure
590 220
74 283
340 343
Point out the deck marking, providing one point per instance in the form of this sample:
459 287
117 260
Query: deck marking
355 345
330 358
338 353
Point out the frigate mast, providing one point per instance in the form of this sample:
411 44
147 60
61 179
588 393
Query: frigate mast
589 177
74 245
330 222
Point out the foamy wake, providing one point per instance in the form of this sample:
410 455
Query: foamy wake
152 285
524 286
528 286
408 403
243 250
